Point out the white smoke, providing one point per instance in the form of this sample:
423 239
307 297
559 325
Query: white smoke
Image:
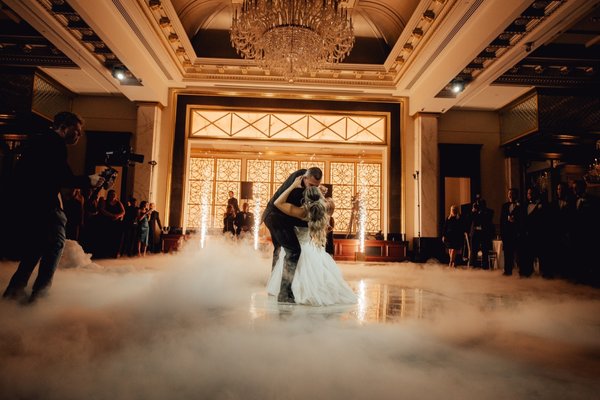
199 325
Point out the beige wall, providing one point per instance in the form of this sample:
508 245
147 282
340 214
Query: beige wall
480 127
100 113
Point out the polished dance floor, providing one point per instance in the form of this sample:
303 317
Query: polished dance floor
199 325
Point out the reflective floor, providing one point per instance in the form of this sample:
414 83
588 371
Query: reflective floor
377 303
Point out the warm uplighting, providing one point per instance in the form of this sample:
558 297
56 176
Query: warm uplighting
292 37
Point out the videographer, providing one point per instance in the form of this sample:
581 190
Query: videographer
37 214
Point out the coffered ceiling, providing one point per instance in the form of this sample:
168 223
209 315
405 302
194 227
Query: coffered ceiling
499 49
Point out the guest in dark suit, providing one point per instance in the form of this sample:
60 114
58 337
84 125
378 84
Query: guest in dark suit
281 227
481 233
245 220
559 226
534 238
233 202
511 220
229 220
585 235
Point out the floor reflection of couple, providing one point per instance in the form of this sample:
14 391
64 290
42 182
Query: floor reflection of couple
297 218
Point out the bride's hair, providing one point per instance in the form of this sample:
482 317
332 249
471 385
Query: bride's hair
316 214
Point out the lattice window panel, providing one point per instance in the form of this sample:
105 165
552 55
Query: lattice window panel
309 164
281 170
228 177
348 179
200 189
301 127
212 178
259 172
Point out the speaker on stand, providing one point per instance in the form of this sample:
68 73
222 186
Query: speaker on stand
246 191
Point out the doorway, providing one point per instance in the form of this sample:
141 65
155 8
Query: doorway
457 191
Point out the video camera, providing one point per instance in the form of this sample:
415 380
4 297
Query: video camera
121 156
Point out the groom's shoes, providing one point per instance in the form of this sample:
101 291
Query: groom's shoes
285 298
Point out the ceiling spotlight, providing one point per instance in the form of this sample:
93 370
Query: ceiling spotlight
124 76
119 72
457 87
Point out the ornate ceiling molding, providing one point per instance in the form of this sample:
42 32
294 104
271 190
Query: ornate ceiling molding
84 34
513 34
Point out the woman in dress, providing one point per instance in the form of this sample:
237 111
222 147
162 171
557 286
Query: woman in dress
317 280
143 228
453 234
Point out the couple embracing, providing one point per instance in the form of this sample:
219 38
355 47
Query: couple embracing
297 217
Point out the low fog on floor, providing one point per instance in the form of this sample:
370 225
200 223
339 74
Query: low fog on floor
199 325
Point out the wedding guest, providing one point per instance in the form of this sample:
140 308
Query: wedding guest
154 240
481 233
585 235
453 234
245 220
233 202
73 204
229 220
143 228
534 235
129 245
559 225
511 220
112 212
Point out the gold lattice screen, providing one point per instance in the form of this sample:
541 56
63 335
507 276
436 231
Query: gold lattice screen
210 180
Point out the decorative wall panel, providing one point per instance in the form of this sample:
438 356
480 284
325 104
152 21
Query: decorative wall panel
519 119
288 126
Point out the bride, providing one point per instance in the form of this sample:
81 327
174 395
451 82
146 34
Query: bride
317 280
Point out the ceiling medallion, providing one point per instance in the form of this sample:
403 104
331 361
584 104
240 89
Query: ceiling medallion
292 37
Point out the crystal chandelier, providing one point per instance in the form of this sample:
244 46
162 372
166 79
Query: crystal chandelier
292 37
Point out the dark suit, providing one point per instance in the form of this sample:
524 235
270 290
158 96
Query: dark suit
234 202
510 228
281 227
39 176
244 223
482 233
534 238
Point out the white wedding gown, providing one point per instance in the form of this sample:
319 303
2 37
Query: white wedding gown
318 281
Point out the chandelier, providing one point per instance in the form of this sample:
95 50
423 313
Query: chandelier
292 37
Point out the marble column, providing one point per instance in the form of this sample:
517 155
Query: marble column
147 143
426 174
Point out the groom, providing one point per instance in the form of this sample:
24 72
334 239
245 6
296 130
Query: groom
282 226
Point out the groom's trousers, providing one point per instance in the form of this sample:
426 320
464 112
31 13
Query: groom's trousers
284 235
